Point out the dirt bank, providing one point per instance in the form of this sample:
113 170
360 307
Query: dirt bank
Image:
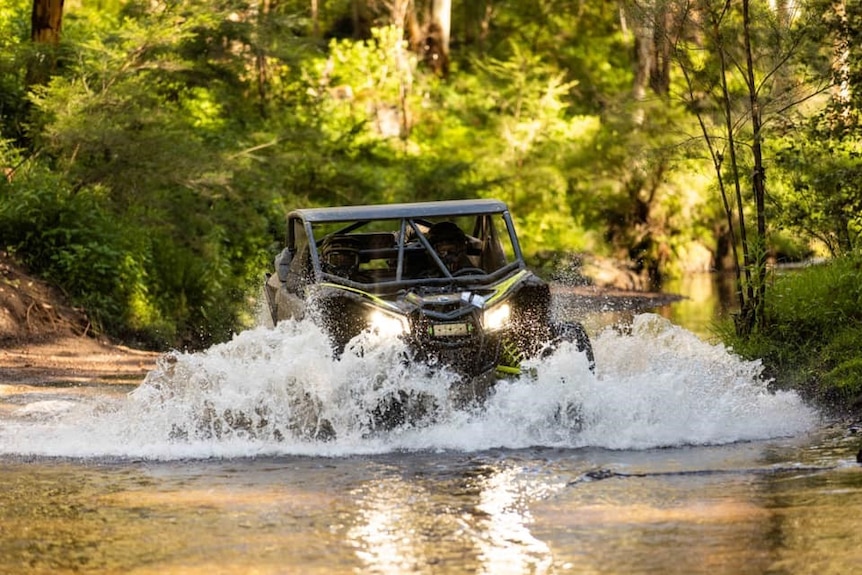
43 340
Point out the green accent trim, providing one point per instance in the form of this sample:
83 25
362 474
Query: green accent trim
509 370
511 355
379 301
503 287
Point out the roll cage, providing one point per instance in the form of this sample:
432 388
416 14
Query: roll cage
392 244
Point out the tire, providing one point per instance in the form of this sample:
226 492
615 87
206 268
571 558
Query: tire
402 409
572 332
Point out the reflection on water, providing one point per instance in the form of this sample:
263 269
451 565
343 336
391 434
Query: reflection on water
785 507
506 544
387 536
708 298
477 521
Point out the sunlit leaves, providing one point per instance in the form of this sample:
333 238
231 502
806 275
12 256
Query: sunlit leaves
822 192
201 122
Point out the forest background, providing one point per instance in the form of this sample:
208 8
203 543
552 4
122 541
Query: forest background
152 148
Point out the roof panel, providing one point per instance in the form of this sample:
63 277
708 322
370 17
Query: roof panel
446 208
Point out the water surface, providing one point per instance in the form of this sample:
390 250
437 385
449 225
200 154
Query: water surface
673 457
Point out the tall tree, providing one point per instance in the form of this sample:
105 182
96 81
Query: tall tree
437 37
737 61
635 224
757 288
46 23
428 26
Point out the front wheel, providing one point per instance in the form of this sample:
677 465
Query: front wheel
402 408
572 332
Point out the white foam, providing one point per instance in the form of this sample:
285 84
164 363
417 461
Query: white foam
45 409
658 385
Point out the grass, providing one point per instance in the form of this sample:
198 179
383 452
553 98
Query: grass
812 341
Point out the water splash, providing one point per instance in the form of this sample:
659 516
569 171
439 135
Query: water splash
277 390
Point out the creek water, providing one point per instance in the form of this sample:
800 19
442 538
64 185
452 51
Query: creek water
673 456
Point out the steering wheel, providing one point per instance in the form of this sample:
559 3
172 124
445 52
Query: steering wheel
469 272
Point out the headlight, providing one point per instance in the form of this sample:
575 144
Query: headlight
386 324
497 317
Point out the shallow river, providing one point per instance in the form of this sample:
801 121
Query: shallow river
673 457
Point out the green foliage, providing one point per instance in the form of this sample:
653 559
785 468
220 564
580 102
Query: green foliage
14 54
159 161
822 195
525 103
843 384
814 330
459 139
68 237
142 199
582 40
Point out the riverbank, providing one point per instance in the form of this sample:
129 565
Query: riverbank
44 340
73 360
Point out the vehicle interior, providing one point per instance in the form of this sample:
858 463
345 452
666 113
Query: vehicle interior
410 249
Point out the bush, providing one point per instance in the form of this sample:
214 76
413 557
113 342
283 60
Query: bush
813 336
68 237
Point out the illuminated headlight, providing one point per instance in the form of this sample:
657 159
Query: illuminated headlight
386 324
497 317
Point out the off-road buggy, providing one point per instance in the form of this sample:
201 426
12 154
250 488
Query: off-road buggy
447 277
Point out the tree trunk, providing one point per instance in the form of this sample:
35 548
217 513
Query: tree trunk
441 14
46 22
744 290
260 59
361 19
663 36
841 72
758 179
315 20
436 47
644 32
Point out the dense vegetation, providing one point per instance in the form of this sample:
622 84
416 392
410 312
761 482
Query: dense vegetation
152 148
815 333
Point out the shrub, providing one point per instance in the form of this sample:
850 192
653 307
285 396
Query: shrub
68 237
813 337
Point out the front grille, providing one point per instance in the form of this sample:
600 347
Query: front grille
447 329
460 343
